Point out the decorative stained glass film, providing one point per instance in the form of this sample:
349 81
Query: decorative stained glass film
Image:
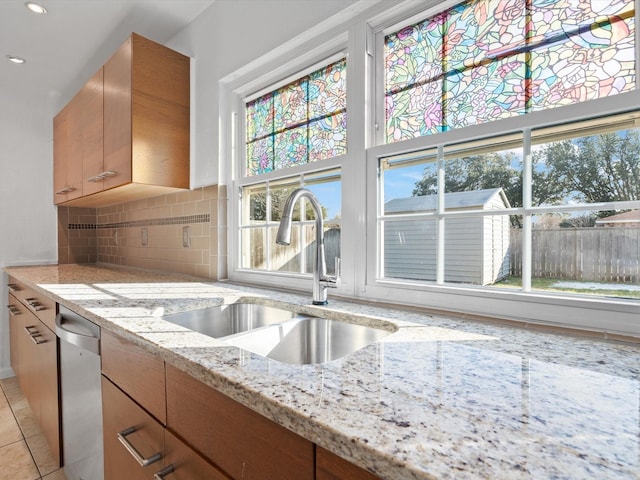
485 60
301 122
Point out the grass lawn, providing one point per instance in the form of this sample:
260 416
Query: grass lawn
590 288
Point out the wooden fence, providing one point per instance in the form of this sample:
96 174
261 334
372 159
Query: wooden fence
607 254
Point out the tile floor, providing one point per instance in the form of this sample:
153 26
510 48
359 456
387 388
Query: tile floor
24 454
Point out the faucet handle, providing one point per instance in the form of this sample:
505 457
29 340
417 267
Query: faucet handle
332 281
337 267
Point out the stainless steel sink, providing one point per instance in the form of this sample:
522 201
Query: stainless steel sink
308 340
278 333
229 319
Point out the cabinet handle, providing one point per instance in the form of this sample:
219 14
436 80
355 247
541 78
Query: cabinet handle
13 310
37 339
28 330
164 472
35 304
122 436
35 335
102 176
64 190
13 287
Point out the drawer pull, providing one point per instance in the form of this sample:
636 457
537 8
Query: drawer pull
37 339
28 330
13 287
164 472
35 335
13 310
35 304
122 436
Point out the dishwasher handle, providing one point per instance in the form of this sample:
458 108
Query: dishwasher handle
85 342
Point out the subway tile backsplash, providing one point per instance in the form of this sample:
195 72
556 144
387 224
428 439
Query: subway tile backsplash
150 233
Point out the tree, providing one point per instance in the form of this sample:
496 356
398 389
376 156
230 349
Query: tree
476 172
597 168
592 169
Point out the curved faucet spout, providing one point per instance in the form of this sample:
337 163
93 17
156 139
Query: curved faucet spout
320 279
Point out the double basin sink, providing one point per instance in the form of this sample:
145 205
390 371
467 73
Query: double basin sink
279 334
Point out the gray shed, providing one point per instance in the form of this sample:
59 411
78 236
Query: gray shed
476 248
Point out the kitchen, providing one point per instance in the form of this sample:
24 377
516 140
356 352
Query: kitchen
33 222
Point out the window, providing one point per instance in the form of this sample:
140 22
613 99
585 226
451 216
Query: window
262 209
301 122
482 61
491 166
456 215
469 210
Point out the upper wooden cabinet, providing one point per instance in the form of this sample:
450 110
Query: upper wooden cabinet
134 129
67 151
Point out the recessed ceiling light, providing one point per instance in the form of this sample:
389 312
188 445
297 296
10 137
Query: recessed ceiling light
35 8
14 59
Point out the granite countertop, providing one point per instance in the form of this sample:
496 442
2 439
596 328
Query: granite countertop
440 398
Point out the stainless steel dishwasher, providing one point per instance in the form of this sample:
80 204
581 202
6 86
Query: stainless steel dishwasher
81 396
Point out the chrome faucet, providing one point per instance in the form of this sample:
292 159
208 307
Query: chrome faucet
321 281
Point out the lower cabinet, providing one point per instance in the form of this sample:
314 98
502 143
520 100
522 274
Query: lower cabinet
34 359
137 447
206 435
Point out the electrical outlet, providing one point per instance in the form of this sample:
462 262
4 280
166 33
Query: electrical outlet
115 237
144 236
186 237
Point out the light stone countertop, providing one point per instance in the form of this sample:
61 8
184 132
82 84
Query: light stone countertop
441 398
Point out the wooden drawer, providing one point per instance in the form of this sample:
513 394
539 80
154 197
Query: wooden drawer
241 442
120 413
41 305
187 464
332 467
137 372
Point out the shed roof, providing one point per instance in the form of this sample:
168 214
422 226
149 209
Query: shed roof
452 200
632 216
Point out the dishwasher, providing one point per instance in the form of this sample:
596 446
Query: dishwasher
81 396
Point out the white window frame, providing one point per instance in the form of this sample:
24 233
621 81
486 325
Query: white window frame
361 35
317 46
528 306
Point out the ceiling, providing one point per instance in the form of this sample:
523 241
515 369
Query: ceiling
65 46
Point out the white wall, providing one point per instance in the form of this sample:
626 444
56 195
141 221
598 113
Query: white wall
27 214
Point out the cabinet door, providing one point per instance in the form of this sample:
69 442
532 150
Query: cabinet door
124 422
92 137
241 442
332 467
182 463
160 114
47 374
145 383
67 152
117 116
